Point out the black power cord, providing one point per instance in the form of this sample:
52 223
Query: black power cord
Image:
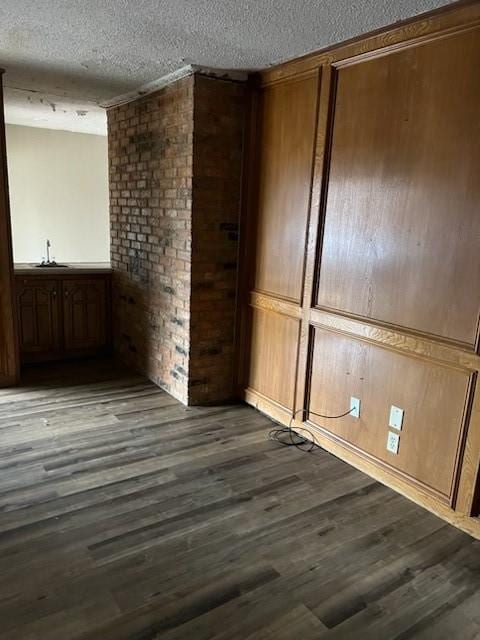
287 437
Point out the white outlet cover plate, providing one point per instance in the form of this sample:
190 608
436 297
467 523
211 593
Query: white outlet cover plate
393 442
354 407
396 417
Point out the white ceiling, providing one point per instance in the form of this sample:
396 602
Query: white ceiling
64 58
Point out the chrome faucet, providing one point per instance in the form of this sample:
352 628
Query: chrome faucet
48 262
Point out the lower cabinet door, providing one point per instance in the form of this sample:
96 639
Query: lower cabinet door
38 311
84 313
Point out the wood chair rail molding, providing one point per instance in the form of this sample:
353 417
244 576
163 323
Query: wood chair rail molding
356 278
403 341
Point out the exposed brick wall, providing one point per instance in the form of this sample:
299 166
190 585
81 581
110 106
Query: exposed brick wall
217 163
175 165
150 158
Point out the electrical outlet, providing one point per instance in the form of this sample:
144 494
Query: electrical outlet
354 407
393 442
396 417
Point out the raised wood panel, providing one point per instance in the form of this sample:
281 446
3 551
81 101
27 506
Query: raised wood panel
402 229
433 397
286 130
9 364
273 355
68 316
84 313
38 315
393 223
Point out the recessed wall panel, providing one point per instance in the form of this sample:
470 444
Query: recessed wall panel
432 397
402 225
286 129
273 355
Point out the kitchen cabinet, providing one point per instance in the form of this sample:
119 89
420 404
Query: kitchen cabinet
38 315
84 313
62 317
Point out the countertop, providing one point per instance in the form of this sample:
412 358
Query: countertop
74 268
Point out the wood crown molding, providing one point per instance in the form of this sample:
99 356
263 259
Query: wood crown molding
448 18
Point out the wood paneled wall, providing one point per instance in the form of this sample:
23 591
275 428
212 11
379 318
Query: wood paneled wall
361 254
9 363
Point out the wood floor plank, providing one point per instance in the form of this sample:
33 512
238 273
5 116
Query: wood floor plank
127 516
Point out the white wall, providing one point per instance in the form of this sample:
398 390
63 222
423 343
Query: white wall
58 184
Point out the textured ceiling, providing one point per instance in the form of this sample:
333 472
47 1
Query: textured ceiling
65 57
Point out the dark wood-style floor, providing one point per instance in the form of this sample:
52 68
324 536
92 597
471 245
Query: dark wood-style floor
124 515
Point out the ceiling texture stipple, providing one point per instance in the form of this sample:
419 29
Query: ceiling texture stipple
65 59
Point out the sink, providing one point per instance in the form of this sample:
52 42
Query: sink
51 265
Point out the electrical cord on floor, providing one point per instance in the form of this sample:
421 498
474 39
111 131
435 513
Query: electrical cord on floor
288 437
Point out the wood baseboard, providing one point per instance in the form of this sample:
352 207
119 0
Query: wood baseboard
434 505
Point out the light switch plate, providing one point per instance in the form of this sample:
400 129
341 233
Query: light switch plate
396 417
354 407
393 442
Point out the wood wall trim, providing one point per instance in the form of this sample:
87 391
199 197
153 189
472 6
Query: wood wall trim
277 305
323 78
406 44
320 168
264 294
457 351
285 80
311 425
404 342
469 471
9 355
468 524
267 406
465 347
245 257
445 19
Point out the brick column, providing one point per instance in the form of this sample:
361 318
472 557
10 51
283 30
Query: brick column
175 169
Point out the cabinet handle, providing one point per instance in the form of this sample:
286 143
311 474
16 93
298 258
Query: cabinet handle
54 294
66 293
